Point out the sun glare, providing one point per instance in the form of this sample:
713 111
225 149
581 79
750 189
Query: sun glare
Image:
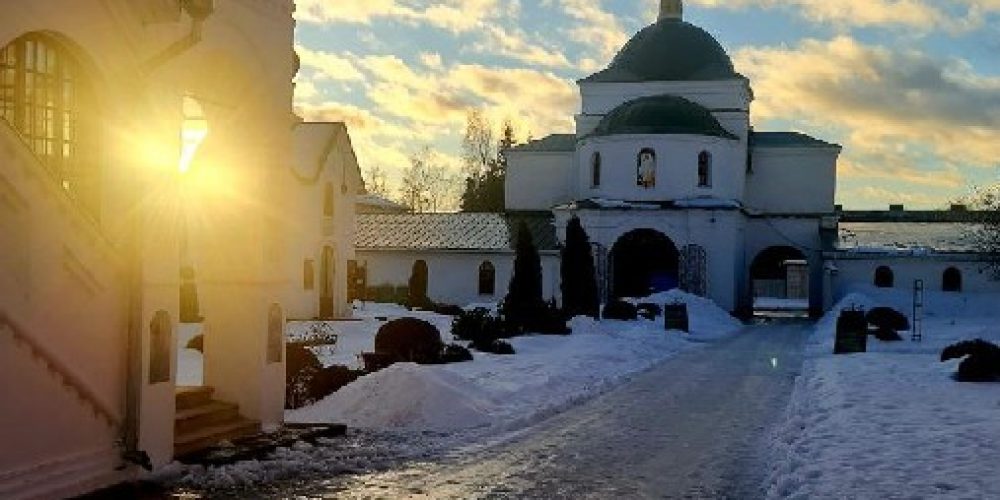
193 133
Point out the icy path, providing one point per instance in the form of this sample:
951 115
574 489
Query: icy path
694 427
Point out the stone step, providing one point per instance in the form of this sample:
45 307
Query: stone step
200 439
193 397
208 415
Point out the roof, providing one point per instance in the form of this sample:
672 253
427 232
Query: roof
787 140
457 231
555 143
894 236
373 203
670 50
662 114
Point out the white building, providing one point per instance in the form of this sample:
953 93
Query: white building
670 181
137 136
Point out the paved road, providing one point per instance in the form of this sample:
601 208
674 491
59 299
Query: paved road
694 427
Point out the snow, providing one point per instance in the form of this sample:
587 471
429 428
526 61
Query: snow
708 202
778 304
502 393
190 362
892 423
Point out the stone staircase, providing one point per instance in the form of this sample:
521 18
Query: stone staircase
203 422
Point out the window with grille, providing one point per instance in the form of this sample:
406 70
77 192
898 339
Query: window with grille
43 97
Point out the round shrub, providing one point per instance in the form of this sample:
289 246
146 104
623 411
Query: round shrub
301 367
197 343
501 347
621 310
981 361
649 310
478 326
409 340
454 353
887 318
888 335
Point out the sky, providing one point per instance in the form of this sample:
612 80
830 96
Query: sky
910 88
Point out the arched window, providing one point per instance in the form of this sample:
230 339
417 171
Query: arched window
328 200
595 170
487 279
884 277
309 274
705 169
951 281
646 169
44 96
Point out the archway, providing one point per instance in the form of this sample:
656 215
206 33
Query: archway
779 279
643 262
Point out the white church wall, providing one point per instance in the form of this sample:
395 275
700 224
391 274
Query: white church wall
858 272
676 167
792 180
453 276
538 180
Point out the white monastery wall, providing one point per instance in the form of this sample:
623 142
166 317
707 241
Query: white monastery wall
858 271
792 180
539 180
453 276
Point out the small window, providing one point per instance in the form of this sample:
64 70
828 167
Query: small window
595 170
328 200
646 169
952 280
705 169
309 274
487 279
884 277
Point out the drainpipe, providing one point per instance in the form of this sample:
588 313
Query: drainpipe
198 11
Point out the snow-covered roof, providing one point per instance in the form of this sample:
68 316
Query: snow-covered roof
905 237
373 203
458 231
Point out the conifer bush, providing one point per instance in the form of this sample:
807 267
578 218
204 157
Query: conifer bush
887 318
579 278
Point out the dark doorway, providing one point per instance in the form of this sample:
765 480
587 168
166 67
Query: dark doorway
779 279
952 280
644 262
884 277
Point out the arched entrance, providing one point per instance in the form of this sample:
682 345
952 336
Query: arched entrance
779 279
643 262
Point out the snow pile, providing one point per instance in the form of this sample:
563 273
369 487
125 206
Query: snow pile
707 319
892 423
548 374
404 394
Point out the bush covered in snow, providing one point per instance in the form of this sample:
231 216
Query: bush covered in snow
649 310
454 353
981 363
307 381
499 347
478 326
621 310
887 318
409 340
888 335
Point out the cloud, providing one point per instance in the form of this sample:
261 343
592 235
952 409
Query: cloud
595 27
328 64
906 117
457 16
850 13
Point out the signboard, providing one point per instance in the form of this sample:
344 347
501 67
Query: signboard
852 332
675 317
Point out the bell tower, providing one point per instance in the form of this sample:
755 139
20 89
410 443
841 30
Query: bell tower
671 9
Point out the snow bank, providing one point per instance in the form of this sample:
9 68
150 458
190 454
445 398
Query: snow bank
547 374
707 319
892 423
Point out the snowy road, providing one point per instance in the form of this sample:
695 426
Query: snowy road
694 427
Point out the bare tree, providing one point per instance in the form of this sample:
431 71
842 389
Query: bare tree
985 233
427 185
478 145
376 181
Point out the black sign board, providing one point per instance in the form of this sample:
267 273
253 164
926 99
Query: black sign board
852 332
675 317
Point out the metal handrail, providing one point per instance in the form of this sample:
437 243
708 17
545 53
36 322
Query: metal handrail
62 370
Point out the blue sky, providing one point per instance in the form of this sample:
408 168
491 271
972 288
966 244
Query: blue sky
911 88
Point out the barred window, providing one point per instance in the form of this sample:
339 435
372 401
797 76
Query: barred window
43 96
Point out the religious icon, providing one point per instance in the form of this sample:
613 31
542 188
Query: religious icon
646 169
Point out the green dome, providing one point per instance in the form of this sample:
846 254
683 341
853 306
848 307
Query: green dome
664 114
670 50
